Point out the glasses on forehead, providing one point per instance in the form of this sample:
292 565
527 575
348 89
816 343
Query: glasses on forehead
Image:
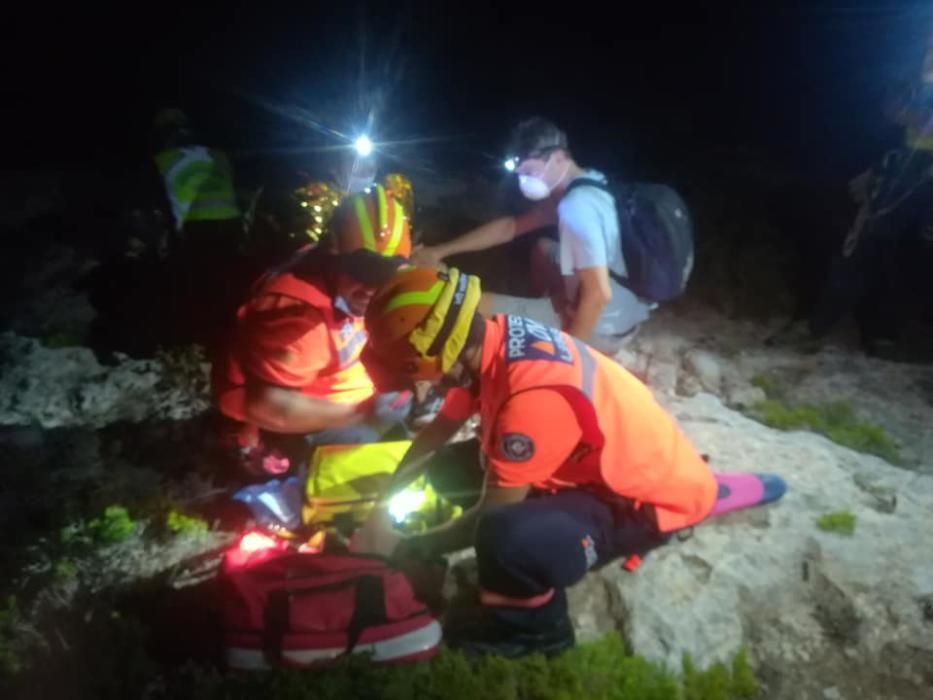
511 164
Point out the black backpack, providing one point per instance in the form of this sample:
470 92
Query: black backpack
656 235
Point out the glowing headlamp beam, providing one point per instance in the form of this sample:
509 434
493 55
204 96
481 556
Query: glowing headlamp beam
363 146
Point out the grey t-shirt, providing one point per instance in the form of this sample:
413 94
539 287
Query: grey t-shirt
589 237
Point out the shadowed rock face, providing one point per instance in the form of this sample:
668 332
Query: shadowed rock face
68 387
695 350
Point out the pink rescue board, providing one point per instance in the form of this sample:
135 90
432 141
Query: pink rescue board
738 490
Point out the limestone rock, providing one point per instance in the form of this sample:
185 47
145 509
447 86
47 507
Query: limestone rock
741 395
800 599
705 368
61 387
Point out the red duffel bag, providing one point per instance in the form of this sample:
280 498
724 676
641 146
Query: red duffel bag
293 608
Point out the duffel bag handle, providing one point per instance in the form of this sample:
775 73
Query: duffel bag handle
275 625
369 610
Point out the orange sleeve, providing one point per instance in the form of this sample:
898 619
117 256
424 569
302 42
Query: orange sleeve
534 435
285 347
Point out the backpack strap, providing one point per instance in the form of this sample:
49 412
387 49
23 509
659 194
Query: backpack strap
605 187
588 182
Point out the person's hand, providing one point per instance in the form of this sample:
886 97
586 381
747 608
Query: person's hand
428 256
566 314
377 535
390 409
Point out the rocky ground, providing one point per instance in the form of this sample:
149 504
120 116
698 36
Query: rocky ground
817 609
822 614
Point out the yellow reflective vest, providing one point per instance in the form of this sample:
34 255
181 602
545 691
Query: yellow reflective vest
199 183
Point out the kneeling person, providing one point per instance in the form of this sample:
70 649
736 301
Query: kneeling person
582 465
293 367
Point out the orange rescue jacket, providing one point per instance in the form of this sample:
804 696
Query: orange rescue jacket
267 326
627 437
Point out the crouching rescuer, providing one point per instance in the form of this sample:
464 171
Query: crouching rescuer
292 377
576 464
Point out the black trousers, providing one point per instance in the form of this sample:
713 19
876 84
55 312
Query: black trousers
528 553
889 270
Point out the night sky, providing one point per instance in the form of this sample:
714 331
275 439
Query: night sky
634 87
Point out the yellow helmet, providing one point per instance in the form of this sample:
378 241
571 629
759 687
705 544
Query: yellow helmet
418 322
371 220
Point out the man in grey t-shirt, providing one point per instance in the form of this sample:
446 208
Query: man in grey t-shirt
589 304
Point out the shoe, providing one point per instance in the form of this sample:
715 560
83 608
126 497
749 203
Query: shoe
490 636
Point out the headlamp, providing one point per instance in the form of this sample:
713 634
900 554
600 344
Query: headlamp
363 146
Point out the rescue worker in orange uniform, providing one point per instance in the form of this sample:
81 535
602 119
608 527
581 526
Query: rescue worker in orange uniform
292 375
582 465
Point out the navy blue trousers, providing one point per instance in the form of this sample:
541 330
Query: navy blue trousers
550 541
547 542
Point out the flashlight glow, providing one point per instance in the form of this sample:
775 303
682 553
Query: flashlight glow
254 546
363 146
403 504
510 164
253 542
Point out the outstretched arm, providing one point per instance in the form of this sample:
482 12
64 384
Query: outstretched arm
283 410
489 235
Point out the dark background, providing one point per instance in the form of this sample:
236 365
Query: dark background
635 85
758 113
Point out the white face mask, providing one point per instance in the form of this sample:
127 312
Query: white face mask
534 188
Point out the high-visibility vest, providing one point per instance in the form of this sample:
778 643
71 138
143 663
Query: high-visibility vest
628 439
199 184
342 377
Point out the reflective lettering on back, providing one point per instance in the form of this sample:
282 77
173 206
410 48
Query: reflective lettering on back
529 340
351 342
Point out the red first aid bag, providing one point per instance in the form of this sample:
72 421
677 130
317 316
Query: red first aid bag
305 609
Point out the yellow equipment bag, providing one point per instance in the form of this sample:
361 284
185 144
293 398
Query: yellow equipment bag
347 479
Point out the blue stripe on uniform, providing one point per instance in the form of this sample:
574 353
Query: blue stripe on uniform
587 367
